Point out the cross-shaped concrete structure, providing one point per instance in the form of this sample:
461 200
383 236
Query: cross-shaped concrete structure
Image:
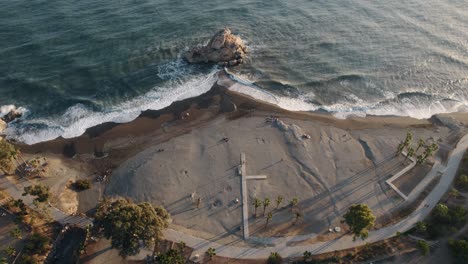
245 203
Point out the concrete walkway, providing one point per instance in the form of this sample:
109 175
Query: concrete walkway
15 190
344 242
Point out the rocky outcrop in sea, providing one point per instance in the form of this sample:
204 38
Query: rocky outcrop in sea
224 48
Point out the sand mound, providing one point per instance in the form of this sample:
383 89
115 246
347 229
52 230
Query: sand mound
327 172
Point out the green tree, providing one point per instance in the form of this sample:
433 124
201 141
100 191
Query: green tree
400 148
359 218
257 203
420 159
37 244
454 193
266 203
16 233
8 153
10 251
279 200
421 227
428 152
457 215
297 216
441 213
40 191
172 256
126 224
307 255
82 185
21 206
421 143
423 247
408 139
275 258
410 153
269 216
462 182
210 252
181 245
294 202
459 249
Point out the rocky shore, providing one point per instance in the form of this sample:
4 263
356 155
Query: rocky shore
9 117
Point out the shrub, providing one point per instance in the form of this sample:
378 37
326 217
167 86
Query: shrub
10 251
37 244
172 256
459 249
82 185
275 258
27 259
40 191
462 182
421 227
423 247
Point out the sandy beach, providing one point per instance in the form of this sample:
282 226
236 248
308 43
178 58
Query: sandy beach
186 157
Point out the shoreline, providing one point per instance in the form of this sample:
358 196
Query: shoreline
219 100
183 145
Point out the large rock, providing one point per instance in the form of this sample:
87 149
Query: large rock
12 115
224 48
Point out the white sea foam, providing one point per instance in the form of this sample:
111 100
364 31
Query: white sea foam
78 118
416 107
5 109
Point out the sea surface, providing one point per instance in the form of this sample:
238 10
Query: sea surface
74 64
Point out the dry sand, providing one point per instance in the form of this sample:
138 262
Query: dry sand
327 173
344 162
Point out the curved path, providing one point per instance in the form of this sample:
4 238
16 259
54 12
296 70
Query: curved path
343 242
15 190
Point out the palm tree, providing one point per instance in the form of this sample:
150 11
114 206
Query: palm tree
10 251
266 203
211 252
421 143
400 148
297 216
429 151
16 233
269 216
294 202
408 139
279 200
453 194
307 255
181 246
275 258
419 159
256 204
409 154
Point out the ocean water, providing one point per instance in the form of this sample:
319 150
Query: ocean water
75 64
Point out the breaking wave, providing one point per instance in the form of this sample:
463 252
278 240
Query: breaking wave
80 117
413 104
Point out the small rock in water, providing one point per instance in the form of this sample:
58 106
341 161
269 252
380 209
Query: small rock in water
224 48
12 115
